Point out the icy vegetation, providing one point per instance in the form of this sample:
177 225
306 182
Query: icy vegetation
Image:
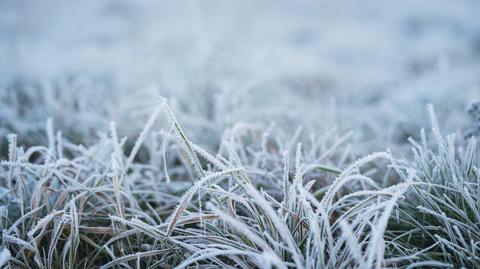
248 134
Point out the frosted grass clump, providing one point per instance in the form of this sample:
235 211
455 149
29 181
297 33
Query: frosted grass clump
441 213
73 206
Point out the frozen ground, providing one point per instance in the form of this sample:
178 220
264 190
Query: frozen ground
318 64
259 70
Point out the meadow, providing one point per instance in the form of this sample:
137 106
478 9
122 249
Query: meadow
273 134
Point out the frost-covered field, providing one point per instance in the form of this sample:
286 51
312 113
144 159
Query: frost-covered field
246 134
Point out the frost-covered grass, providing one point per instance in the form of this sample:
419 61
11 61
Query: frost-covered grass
441 212
256 202
289 135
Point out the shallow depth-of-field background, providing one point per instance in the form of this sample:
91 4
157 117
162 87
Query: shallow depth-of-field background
110 111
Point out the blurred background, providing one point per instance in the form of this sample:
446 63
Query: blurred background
367 66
